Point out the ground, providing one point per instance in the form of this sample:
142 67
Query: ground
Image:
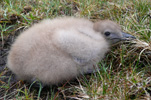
125 71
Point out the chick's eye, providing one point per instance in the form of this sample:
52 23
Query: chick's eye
107 33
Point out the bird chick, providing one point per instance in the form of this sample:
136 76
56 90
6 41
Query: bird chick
60 49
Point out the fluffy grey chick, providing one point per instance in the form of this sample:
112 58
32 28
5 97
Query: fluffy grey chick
60 49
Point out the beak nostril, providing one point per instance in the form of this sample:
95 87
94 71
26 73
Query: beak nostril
127 36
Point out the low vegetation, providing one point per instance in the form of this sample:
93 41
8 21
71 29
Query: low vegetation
125 71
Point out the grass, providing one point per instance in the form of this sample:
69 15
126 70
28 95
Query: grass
125 72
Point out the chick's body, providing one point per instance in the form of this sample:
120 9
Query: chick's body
56 50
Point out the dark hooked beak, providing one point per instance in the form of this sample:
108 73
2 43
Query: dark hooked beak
127 36
114 38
